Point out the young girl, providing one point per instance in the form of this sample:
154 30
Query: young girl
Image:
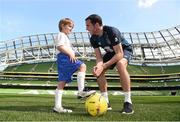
67 65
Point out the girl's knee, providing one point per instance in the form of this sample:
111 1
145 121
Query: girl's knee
82 67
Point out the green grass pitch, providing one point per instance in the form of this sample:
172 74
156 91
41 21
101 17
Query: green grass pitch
38 107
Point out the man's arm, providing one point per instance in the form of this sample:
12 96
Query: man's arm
97 70
118 56
99 60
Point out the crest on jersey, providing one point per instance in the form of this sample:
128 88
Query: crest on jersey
116 39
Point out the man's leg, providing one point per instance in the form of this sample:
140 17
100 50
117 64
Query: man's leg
102 83
126 86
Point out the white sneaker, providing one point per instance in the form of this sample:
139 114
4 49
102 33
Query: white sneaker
84 94
62 110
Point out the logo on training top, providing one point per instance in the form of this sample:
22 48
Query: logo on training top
116 39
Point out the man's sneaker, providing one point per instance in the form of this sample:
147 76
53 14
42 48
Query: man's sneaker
62 110
85 94
127 109
109 107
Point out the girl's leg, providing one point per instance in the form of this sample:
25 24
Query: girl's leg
81 77
58 94
80 81
58 99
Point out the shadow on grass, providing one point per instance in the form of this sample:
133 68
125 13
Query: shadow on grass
46 109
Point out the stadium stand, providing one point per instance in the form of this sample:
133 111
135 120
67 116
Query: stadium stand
156 56
150 48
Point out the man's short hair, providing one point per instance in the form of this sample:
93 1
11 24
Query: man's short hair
94 18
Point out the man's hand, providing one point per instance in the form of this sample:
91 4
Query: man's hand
97 70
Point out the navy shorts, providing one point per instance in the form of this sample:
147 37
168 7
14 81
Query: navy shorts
66 68
108 56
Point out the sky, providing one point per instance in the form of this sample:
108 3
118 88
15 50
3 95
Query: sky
30 17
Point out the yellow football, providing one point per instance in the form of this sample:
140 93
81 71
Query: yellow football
96 105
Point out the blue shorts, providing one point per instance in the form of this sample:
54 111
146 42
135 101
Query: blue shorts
66 68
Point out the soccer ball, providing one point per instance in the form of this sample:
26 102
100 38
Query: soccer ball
96 105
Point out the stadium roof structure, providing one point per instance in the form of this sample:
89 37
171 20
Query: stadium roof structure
149 48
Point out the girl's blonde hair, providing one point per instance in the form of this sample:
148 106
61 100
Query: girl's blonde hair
65 21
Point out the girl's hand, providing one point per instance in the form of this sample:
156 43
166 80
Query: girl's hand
73 58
